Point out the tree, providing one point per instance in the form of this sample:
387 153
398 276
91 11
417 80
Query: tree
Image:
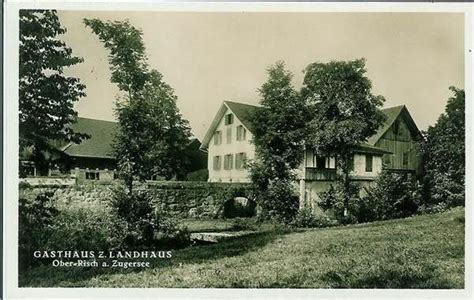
278 137
46 95
344 112
444 151
152 134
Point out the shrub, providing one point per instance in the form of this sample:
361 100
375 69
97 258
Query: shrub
332 201
443 189
199 175
145 225
36 216
392 196
307 219
89 225
279 202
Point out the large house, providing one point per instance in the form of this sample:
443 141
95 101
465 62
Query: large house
92 158
394 147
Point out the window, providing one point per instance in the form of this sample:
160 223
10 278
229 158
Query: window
218 138
229 135
240 160
368 162
94 175
228 161
229 119
320 162
405 159
241 133
216 162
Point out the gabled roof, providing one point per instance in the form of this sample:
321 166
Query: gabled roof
100 142
391 114
241 111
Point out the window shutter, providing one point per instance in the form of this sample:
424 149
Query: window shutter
229 135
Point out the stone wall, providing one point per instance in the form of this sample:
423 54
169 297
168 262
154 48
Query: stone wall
187 199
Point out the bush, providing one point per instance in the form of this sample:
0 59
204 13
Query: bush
392 196
444 190
332 201
199 175
307 219
279 202
145 226
36 217
87 225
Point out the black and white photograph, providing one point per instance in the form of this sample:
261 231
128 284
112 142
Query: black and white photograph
240 149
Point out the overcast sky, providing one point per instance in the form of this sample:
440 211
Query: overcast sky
412 58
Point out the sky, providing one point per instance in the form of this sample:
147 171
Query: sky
209 57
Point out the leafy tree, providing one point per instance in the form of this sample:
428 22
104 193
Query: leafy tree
444 151
278 137
46 95
344 112
152 133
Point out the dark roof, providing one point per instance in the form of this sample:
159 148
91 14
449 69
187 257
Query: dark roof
100 142
391 115
243 111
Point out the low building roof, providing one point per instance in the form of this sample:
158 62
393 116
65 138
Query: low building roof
99 144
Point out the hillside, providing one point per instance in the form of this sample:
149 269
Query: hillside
420 252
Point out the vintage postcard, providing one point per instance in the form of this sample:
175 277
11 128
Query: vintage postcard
213 149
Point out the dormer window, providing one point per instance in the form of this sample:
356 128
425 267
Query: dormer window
229 119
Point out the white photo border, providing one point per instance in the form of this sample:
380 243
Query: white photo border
10 154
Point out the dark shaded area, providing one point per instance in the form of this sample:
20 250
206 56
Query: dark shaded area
239 207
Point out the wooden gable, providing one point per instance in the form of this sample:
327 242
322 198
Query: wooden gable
402 139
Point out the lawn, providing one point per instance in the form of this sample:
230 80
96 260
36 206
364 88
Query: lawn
420 252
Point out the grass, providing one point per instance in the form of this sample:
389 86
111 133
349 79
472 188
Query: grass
420 252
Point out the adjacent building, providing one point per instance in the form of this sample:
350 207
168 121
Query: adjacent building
93 159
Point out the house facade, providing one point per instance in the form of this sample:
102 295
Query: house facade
394 147
228 145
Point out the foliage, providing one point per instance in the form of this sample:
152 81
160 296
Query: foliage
306 218
87 225
279 202
444 154
152 133
199 175
278 137
46 95
333 202
391 196
145 225
344 112
127 59
402 253
35 222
